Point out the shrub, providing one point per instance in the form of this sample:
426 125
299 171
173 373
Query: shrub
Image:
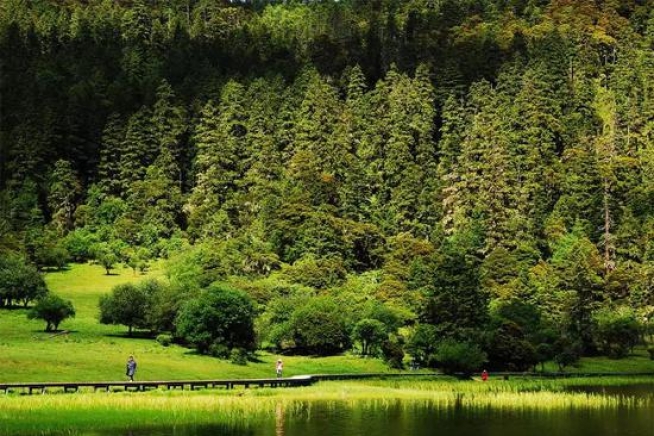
221 351
53 310
568 352
127 305
650 350
616 330
422 343
393 353
19 281
370 333
317 272
239 356
459 357
508 349
220 315
320 328
164 340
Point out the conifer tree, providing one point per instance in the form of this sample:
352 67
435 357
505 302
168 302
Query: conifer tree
139 149
63 193
169 121
221 141
109 172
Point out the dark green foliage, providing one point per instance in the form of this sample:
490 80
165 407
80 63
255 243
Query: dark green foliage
219 316
239 356
53 310
466 154
616 330
422 344
567 352
127 305
508 348
370 333
459 357
455 299
19 281
393 353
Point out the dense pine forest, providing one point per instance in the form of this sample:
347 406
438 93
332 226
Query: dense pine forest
458 180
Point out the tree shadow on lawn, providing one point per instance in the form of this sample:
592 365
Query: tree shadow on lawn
53 333
134 335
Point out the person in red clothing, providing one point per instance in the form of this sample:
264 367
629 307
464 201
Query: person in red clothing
484 375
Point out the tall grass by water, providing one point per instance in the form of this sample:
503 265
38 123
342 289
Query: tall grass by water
68 413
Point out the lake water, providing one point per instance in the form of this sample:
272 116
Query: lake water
416 420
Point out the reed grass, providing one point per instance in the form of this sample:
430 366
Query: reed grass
57 413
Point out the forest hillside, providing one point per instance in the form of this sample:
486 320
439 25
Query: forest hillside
443 178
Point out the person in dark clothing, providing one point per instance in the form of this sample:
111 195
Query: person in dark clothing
130 368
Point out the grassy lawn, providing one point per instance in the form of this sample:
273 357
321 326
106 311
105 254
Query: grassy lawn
91 351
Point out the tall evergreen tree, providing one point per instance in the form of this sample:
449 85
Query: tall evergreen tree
63 194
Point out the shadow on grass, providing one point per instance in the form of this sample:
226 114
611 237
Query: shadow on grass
14 307
134 335
43 335
53 269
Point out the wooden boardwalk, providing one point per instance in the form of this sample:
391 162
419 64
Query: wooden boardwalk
286 382
141 386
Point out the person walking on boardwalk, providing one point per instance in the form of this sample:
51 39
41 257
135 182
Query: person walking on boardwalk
279 367
484 375
130 368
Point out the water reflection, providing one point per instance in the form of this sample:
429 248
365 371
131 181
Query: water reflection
280 418
400 419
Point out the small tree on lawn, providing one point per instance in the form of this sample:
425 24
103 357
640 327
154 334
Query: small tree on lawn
127 305
53 310
370 333
19 281
105 256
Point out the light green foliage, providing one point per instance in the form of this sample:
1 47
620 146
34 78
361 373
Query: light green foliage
320 327
105 255
53 310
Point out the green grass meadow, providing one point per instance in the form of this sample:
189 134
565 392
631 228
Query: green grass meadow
91 351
